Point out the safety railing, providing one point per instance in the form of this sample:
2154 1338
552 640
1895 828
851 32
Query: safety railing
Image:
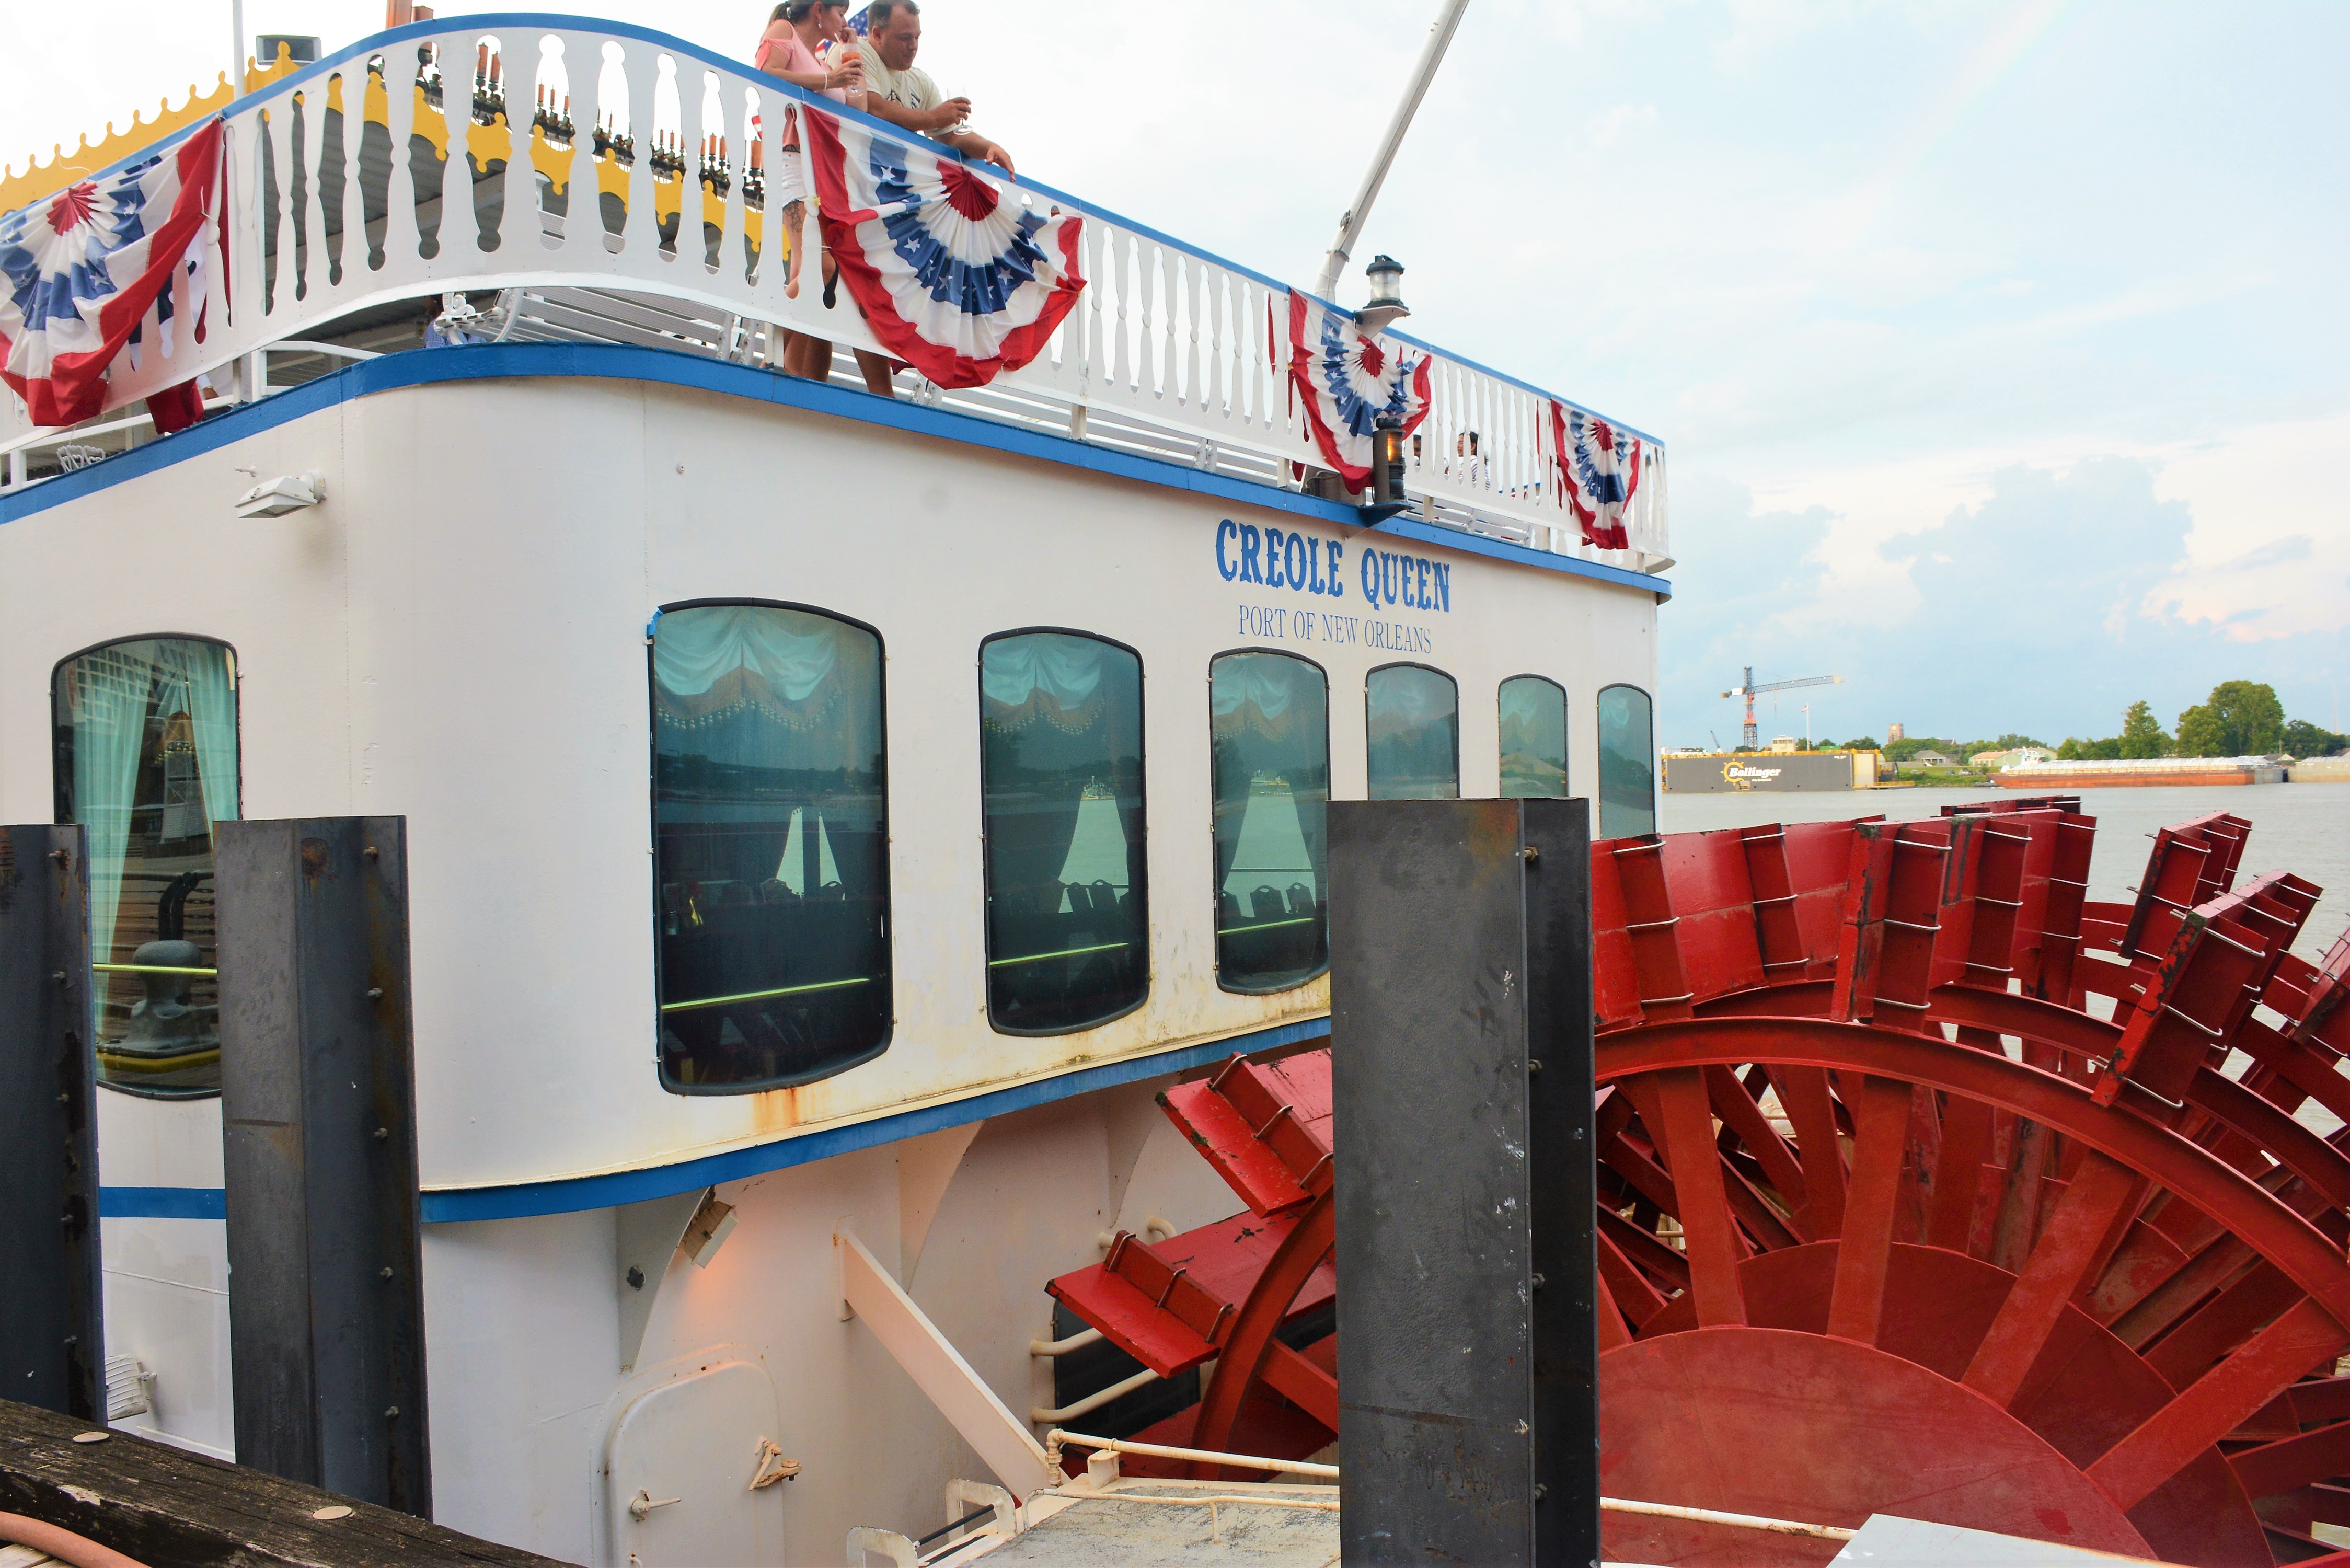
542 156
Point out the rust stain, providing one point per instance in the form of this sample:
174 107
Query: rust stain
314 860
777 1111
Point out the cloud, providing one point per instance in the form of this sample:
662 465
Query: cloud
2027 610
2275 553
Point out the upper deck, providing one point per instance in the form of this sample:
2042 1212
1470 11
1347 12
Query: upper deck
374 204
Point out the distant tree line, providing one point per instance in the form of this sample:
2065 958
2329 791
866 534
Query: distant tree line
2240 719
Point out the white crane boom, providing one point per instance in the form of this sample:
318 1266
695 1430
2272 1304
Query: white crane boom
1350 226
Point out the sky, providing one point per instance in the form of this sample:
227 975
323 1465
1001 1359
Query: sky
1998 347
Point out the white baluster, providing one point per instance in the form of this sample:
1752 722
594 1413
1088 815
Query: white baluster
518 223
1121 247
399 234
640 230
1194 387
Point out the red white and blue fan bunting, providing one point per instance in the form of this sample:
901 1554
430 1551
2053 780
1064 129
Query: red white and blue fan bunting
1347 381
955 277
89 271
1599 472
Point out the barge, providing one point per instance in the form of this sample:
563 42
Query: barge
2141 772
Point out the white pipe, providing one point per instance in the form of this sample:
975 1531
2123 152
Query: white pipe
1734 1521
235 49
1094 1401
1350 227
1054 1438
1063 1346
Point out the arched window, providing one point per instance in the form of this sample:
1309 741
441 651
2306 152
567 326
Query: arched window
1627 762
1533 738
771 844
1269 736
1413 717
1068 919
147 763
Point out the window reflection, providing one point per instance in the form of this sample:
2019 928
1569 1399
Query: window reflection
1269 736
147 763
1061 772
770 789
1533 738
1414 726
1628 765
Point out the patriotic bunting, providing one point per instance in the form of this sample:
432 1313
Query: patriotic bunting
89 271
956 277
1598 469
1347 381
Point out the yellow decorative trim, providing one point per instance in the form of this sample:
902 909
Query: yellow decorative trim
43 180
666 193
714 206
612 178
488 144
429 123
374 108
553 162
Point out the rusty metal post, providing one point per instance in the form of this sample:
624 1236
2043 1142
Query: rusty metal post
1461 1080
52 1346
317 1103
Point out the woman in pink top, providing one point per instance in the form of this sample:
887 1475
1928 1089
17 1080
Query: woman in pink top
789 48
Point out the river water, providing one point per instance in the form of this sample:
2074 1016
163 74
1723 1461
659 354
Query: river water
2300 828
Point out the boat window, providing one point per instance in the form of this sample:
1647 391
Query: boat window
1533 738
772 844
1627 766
1414 728
146 762
1270 737
1061 770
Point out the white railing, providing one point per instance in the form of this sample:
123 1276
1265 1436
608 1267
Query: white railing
371 178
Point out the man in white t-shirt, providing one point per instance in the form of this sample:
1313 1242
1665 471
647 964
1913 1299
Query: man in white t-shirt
895 90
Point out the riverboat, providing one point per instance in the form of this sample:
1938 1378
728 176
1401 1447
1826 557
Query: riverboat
830 818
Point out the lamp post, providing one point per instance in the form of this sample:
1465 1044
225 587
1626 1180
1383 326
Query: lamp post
1386 306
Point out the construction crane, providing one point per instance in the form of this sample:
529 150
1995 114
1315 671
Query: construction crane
1748 690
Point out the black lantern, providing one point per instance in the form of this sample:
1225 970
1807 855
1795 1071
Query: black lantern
1386 472
1386 306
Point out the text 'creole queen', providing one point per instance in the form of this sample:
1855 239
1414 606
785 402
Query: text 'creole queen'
1288 558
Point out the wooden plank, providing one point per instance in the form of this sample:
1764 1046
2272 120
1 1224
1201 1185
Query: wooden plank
172 1509
1001 1439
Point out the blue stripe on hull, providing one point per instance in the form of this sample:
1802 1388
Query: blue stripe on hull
576 1193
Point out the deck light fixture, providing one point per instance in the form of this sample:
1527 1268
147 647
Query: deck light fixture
1386 306
1386 472
275 497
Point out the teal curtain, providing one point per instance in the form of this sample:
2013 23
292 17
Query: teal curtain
211 713
109 695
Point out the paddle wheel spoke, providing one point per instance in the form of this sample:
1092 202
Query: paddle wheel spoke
1804 1095
2102 1193
2211 1408
1881 1108
1709 1235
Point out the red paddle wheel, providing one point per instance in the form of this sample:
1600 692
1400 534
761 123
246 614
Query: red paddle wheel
1927 1188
